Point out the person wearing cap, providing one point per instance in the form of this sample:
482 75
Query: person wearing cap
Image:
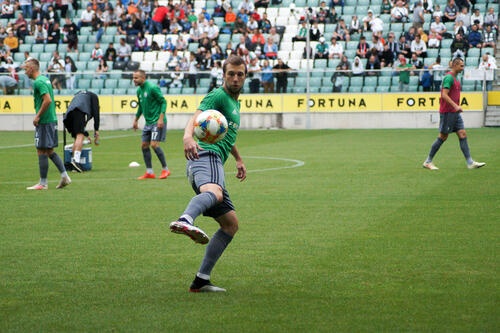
404 69
321 49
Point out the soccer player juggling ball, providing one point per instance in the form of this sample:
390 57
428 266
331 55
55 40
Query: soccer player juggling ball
45 122
205 168
152 105
450 118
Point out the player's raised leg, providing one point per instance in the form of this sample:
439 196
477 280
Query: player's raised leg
464 146
219 242
65 180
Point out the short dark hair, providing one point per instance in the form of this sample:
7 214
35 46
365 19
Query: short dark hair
456 60
235 61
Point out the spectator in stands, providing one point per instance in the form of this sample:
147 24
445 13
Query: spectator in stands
229 50
247 5
9 82
69 68
274 35
427 6
387 57
207 62
217 53
399 13
258 39
3 33
86 18
314 32
193 69
262 3
354 26
386 7
36 17
321 49
123 25
323 14
169 45
403 46
281 73
422 35
55 68
204 44
439 28
181 43
377 44
54 34
216 76
176 78
418 15
51 15
4 52
213 30
393 45
174 28
333 17
178 13
265 24
195 33
363 48
460 28
437 73
270 49
254 74
367 19
135 25
487 65
141 43
159 16
475 38
372 66
12 42
410 34
97 53
124 51
418 47
230 17
344 65
97 27
26 7
336 50
341 31
404 73
357 67
302 34
477 19
110 54
243 15
463 17
252 25
7 10
267 77
70 35
463 3
40 35
416 62
239 26
102 69
450 12
459 46
489 37
377 25
437 12
491 18
434 42
21 27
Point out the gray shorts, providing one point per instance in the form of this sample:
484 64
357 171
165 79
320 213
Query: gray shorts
450 122
153 133
208 169
46 136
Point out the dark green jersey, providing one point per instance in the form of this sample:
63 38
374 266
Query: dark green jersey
42 86
221 101
151 103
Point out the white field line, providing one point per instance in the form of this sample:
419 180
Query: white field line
296 164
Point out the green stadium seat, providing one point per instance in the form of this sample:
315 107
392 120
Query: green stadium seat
350 54
86 31
471 61
314 89
188 91
333 63
316 74
356 81
24 48
315 82
111 83
29 40
174 91
92 65
384 81
124 84
300 3
297 90
329 27
111 31
413 80
62 48
320 63
84 84
25 92
364 2
432 53
84 56
382 89
88 47
369 89
19 57
45 56
38 48
132 91
192 47
224 38
50 48
397 27
355 89
348 10
371 81
83 39
205 82
119 91
489 50
106 39
300 82
445 52
97 84
106 91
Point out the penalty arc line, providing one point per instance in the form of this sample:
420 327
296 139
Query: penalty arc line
297 164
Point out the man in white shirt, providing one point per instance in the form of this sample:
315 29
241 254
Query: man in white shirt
487 65
336 50
477 19
247 5
367 20
86 18
418 47
124 51
376 25
213 30
437 26
399 13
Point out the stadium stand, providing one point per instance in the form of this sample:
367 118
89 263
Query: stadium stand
210 31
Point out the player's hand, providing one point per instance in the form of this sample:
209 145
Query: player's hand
160 123
90 140
191 148
459 109
134 125
96 138
36 120
242 171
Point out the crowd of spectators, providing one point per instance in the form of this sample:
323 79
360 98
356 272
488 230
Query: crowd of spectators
378 48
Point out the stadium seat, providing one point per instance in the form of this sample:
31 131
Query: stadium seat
432 53
355 89
84 84
38 48
473 52
92 65
125 84
384 81
119 91
315 82
382 89
174 91
188 90
111 83
106 91
97 84
45 56
368 89
370 81
356 81
132 91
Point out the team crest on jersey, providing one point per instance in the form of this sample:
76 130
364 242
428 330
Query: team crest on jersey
146 94
234 111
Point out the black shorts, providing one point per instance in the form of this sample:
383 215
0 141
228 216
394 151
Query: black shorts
75 123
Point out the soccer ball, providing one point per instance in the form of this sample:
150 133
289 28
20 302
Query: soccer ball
210 126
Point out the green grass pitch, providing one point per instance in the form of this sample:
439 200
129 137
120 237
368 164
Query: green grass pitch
358 238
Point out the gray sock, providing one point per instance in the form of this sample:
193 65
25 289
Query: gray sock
220 240
147 158
434 148
43 164
465 149
161 157
198 205
59 164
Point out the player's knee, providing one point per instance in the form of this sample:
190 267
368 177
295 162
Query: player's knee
154 144
145 145
218 194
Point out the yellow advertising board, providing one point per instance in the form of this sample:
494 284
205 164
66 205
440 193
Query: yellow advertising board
427 101
494 98
260 103
332 102
14 104
182 103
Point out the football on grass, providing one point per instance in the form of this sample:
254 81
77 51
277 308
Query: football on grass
210 126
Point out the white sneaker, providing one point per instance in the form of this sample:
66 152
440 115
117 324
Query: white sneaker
195 233
64 182
476 165
38 187
430 166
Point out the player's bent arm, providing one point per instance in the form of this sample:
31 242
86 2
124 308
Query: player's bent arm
448 99
240 166
45 104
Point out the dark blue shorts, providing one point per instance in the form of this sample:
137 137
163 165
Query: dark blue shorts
450 122
46 136
208 169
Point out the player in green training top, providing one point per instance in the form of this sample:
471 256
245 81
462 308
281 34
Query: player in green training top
152 105
45 123
205 170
